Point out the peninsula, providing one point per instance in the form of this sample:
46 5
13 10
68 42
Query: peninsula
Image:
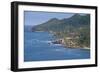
73 32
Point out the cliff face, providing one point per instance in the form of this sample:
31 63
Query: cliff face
77 28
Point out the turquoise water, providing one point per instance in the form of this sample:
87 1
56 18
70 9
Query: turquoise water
38 47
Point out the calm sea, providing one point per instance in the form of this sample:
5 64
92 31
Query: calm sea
38 47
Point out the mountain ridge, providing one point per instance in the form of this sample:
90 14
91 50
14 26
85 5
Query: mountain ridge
76 21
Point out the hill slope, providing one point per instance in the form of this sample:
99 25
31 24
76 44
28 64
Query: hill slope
74 31
66 23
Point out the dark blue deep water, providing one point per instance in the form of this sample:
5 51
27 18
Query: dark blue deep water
38 47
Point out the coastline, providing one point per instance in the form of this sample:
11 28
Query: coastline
65 42
85 48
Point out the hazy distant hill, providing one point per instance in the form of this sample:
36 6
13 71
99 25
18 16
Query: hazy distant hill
27 28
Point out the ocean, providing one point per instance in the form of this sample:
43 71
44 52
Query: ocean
38 46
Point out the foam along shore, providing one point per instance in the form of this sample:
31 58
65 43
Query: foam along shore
87 48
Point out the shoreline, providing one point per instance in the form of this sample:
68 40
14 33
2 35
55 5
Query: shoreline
62 41
68 44
85 48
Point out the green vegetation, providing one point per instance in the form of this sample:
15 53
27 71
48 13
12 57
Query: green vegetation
74 31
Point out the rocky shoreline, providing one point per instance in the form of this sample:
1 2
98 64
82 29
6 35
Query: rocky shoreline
68 44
